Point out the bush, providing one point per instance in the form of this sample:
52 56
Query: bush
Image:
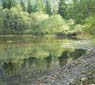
51 24
17 21
37 18
89 25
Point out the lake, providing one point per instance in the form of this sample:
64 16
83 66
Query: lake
24 59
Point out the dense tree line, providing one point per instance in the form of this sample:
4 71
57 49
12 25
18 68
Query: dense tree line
29 6
74 9
48 16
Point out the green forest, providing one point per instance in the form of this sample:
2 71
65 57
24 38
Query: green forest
43 17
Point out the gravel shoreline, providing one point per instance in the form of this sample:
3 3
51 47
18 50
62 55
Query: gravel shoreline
77 69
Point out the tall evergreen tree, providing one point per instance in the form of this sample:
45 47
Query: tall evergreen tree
4 4
8 3
29 6
22 4
48 7
62 8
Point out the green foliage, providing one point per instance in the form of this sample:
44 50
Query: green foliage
48 7
79 10
40 5
15 21
4 4
89 25
51 25
8 3
38 17
56 24
22 4
29 7
62 8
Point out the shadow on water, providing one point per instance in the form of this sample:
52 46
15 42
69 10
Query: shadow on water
63 58
9 67
29 60
76 53
48 60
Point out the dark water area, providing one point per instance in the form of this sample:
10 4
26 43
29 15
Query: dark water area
26 59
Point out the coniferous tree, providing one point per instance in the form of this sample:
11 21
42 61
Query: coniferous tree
8 3
4 4
22 4
62 8
48 7
29 6
11 3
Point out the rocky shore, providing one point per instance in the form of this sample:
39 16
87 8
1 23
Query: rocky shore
78 72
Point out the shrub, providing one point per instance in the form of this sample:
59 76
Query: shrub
89 25
51 24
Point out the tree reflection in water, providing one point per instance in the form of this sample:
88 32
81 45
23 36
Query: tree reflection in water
76 53
63 58
10 67
34 58
48 60
42 63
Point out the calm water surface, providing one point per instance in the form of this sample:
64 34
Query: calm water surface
25 59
